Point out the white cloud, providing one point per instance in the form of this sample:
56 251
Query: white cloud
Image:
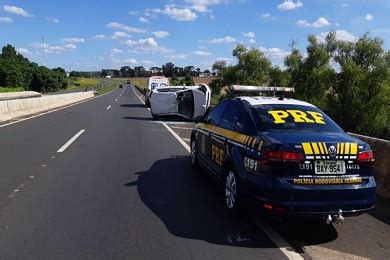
336 24
73 40
289 5
224 40
227 60
345 5
131 61
16 10
99 37
53 20
266 15
58 49
249 35
70 46
252 41
320 22
178 56
202 53
369 17
119 35
24 51
161 34
148 45
143 20
125 27
274 53
179 14
131 13
303 23
202 6
6 20
116 51
341 35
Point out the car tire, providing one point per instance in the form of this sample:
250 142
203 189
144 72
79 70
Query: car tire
231 192
194 154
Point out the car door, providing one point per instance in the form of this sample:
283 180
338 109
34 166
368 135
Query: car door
220 142
207 131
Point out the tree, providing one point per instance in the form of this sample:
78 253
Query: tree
168 69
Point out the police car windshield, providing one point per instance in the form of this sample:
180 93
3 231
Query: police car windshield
283 117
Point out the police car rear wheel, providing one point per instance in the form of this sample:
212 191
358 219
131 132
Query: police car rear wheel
231 192
194 159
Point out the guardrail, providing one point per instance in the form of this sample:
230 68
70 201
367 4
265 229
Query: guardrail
381 149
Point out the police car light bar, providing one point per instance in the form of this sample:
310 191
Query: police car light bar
264 89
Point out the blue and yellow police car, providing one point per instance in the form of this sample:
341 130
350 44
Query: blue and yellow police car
286 154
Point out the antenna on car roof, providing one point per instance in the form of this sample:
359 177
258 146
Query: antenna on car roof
279 92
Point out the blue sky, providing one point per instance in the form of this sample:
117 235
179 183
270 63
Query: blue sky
91 35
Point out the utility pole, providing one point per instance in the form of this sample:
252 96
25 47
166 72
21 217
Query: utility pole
44 51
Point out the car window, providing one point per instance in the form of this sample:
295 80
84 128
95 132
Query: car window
231 115
288 117
214 118
245 124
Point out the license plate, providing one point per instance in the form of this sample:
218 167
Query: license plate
329 167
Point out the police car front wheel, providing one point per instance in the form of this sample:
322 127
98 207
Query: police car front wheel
194 159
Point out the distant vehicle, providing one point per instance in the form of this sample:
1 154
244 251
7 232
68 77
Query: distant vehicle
120 86
153 83
189 102
286 155
128 82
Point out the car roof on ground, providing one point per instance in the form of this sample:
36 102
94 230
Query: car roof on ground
261 100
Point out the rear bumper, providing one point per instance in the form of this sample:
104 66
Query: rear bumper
277 196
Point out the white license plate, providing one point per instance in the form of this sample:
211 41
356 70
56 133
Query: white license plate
329 167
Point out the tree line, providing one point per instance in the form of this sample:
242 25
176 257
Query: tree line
168 70
350 81
17 71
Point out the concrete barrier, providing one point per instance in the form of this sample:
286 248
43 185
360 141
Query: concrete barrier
16 108
19 95
381 149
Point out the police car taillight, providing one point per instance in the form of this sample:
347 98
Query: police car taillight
284 156
366 157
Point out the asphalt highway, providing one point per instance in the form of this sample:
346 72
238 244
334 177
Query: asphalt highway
103 180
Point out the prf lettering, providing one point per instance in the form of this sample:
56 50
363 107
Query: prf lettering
298 116
217 154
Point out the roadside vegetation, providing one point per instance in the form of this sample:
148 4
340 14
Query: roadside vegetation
17 72
350 81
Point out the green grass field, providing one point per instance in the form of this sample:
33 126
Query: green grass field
83 83
4 90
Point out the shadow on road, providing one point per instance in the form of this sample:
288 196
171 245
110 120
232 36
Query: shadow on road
133 105
382 210
191 207
138 118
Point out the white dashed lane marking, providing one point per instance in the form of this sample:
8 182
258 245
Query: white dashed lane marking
67 144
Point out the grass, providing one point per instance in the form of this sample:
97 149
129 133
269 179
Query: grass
115 84
4 90
83 83
140 82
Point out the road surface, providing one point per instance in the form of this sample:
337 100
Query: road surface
103 180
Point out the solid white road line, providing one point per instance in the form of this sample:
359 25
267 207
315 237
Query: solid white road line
271 233
139 98
279 241
67 144
177 137
108 107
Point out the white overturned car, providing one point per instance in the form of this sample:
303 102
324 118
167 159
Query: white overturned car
189 102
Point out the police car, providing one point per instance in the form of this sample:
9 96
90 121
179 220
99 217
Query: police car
286 154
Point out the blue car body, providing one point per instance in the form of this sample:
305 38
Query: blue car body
288 161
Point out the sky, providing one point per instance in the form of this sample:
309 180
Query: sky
89 35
